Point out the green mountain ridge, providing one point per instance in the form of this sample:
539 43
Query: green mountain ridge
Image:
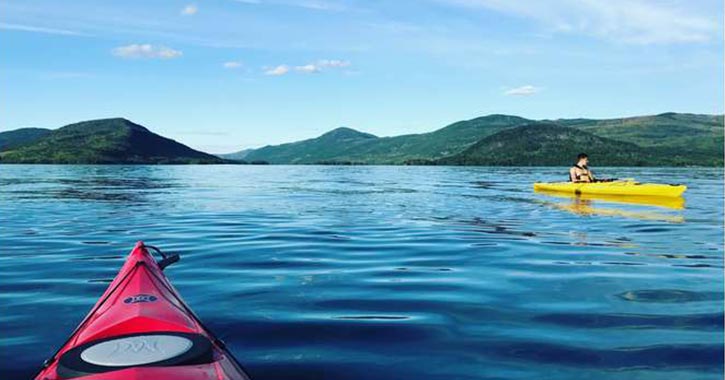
325 147
104 141
19 137
667 129
668 139
548 144
240 155
367 149
664 139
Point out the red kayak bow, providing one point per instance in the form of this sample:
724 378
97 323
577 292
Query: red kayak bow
141 329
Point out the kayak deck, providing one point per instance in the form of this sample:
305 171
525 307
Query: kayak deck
141 329
613 188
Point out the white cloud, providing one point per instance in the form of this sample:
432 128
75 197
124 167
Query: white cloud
189 10
627 21
233 65
39 29
526 90
333 63
308 68
277 70
146 51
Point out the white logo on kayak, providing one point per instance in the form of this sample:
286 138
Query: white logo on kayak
136 350
136 346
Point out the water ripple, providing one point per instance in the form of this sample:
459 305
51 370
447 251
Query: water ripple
315 272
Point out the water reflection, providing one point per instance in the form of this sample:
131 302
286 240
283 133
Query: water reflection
669 295
590 205
94 183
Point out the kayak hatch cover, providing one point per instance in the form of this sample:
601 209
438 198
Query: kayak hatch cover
141 329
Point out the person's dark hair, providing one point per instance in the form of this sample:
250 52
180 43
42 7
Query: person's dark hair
582 156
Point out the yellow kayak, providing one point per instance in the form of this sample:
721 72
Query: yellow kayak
676 203
613 188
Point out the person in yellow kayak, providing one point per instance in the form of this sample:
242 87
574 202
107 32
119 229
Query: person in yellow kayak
580 171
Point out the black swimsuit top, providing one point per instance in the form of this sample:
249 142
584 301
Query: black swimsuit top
578 176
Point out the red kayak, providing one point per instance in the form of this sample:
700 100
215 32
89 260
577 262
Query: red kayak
141 329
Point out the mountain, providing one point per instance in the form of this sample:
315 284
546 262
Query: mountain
329 146
437 144
351 146
668 139
686 138
19 137
240 155
672 139
549 144
105 141
664 130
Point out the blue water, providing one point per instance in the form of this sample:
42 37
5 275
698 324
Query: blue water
318 272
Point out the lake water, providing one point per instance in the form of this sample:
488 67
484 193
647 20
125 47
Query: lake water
320 272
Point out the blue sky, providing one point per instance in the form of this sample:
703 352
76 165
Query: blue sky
221 75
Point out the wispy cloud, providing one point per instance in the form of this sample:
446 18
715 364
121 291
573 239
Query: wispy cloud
189 10
146 51
332 63
39 29
277 70
318 5
526 90
308 68
321 65
232 64
627 21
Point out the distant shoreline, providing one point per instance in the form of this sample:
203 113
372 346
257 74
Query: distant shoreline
664 140
368 165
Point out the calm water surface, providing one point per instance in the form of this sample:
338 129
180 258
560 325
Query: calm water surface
315 272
